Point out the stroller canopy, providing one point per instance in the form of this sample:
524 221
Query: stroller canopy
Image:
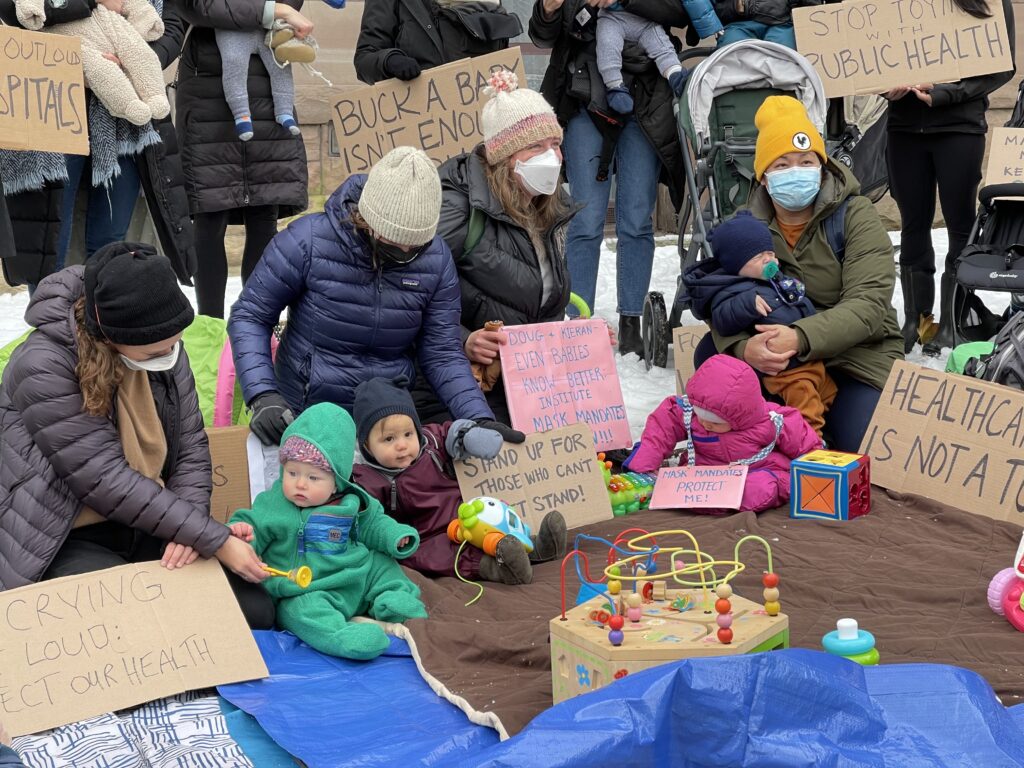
753 64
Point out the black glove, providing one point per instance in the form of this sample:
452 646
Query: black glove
397 64
270 417
508 434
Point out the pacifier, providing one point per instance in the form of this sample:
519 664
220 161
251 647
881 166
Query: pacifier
770 270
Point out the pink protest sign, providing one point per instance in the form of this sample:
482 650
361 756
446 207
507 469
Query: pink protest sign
714 487
557 374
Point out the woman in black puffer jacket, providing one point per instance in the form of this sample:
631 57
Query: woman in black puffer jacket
230 181
103 457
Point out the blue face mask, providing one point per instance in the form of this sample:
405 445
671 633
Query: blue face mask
794 188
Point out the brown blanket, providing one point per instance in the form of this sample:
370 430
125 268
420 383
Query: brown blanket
913 572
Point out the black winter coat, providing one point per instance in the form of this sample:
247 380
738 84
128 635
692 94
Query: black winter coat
221 172
34 228
770 12
956 107
572 80
54 457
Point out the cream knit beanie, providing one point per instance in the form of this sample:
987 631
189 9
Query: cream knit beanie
401 199
514 118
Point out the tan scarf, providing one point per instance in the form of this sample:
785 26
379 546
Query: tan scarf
141 432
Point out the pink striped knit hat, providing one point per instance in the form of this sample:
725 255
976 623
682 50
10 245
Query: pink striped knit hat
298 449
514 118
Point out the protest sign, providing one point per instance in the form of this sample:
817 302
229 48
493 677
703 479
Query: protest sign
1006 157
42 95
230 471
870 46
551 471
709 487
80 646
557 374
950 438
685 339
438 112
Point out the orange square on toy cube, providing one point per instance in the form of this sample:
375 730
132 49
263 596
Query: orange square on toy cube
830 485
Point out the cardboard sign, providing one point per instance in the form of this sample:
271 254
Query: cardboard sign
230 471
438 112
556 470
80 646
42 95
950 438
685 339
1006 157
557 374
709 487
869 46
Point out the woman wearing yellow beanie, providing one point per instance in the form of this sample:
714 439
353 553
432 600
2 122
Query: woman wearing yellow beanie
800 193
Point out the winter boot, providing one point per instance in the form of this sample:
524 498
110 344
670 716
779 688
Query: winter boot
510 564
947 314
918 298
550 542
630 339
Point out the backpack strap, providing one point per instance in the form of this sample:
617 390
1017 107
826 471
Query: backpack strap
475 231
835 230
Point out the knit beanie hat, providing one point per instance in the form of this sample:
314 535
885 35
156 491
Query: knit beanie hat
783 127
298 449
401 199
739 239
378 398
514 118
132 296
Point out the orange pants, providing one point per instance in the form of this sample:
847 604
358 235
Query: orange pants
808 388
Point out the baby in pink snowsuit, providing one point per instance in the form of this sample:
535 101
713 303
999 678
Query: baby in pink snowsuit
724 419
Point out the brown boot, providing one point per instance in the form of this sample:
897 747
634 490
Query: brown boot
510 565
550 541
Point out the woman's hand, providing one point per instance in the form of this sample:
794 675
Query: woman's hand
178 556
242 531
241 559
784 338
482 346
293 19
114 6
761 357
761 305
895 94
923 92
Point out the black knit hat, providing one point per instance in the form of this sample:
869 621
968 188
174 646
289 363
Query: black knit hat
378 398
739 239
132 296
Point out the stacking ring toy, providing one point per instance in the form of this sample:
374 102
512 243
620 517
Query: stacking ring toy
847 640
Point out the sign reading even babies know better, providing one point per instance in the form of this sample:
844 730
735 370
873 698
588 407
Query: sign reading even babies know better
870 46
950 438
557 374
42 95
438 112
685 339
709 487
551 471
80 646
1006 157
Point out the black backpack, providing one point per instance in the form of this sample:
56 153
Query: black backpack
1005 365
475 28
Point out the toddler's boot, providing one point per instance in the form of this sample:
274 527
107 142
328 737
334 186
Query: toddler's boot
510 564
550 541
397 606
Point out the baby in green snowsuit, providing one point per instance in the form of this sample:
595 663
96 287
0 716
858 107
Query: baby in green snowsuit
314 516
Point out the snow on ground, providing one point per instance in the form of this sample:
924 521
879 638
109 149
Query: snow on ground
642 389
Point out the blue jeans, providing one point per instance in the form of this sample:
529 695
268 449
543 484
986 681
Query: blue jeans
635 195
782 34
109 212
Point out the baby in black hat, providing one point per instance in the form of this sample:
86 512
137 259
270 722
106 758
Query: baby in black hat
742 287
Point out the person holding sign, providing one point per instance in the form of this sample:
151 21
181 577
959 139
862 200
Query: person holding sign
724 419
937 140
104 459
504 215
408 468
807 199
369 288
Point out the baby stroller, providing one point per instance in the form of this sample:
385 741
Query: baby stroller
716 128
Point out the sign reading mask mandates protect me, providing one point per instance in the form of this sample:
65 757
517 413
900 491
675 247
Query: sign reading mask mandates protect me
870 46
438 112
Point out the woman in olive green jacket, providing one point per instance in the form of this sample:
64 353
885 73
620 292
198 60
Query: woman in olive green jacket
855 330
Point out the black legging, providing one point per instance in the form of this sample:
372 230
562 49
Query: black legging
919 161
212 278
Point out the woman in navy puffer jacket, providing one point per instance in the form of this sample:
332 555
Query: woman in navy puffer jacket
368 285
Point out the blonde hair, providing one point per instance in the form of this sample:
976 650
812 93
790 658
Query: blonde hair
534 214
99 369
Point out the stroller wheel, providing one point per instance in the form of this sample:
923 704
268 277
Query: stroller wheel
655 331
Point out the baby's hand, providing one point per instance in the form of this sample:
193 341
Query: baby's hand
404 542
761 306
242 531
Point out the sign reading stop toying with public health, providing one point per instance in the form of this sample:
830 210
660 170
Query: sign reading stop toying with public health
870 46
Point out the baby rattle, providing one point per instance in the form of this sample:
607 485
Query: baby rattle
303 576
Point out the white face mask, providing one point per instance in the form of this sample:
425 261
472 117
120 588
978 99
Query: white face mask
154 364
540 173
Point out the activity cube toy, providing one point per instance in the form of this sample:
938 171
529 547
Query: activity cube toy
830 485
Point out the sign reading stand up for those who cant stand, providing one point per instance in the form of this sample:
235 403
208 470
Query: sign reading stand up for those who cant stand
79 646
558 374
